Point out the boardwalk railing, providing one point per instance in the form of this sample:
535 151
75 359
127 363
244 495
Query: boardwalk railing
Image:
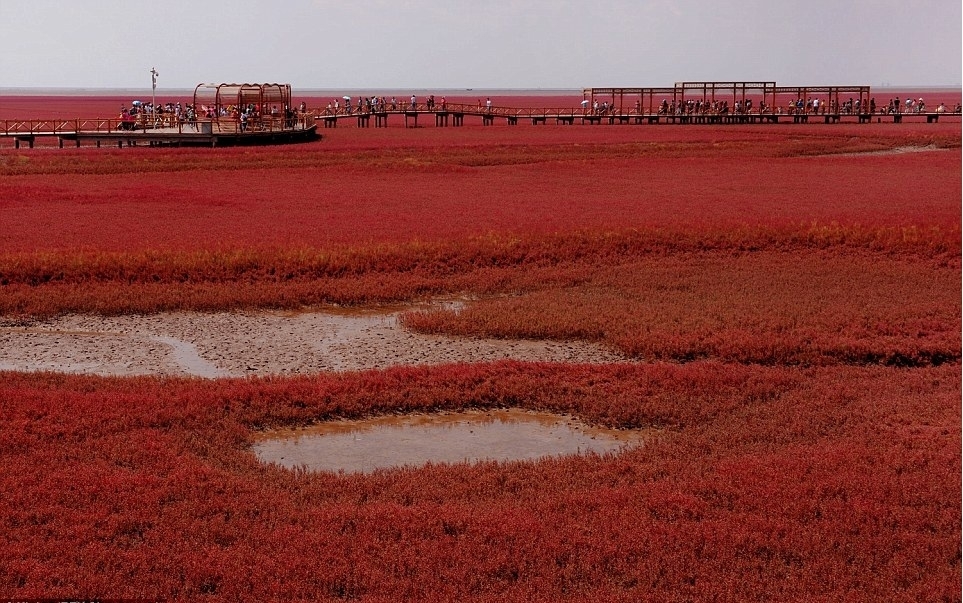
688 113
329 115
466 108
589 112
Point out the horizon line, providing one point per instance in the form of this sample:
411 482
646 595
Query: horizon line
145 90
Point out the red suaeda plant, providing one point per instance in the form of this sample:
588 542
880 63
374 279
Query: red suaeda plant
731 252
646 297
802 307
326 195
762 483
282 219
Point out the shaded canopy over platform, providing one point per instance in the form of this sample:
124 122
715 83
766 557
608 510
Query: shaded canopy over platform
262 96
650 97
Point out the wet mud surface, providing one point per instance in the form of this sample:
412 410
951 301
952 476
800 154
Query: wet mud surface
213 345
414 440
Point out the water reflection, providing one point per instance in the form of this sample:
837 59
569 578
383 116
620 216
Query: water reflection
500 435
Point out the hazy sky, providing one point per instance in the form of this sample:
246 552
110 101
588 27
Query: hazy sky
401 44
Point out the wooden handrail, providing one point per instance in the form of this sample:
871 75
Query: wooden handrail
587 112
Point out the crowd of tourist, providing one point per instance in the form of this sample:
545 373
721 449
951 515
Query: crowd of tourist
251 117
380 104
800 106
165 115
365 105
172 115
917 106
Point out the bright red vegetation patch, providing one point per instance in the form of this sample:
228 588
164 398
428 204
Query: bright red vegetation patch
802 307
324 194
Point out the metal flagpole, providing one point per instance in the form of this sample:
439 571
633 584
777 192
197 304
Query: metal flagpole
153 88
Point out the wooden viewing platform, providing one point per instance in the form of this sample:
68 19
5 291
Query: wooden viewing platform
220 114
203 132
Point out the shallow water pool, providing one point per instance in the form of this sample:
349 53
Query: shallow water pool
414 440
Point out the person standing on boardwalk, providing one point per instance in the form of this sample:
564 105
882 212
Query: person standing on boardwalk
488 104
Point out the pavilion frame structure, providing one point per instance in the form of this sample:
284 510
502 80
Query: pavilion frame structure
649 99
262 96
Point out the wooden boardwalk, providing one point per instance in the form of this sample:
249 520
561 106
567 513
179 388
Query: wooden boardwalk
682 103
453 114
221 132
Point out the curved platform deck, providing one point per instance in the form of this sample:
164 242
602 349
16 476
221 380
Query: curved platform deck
119 132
